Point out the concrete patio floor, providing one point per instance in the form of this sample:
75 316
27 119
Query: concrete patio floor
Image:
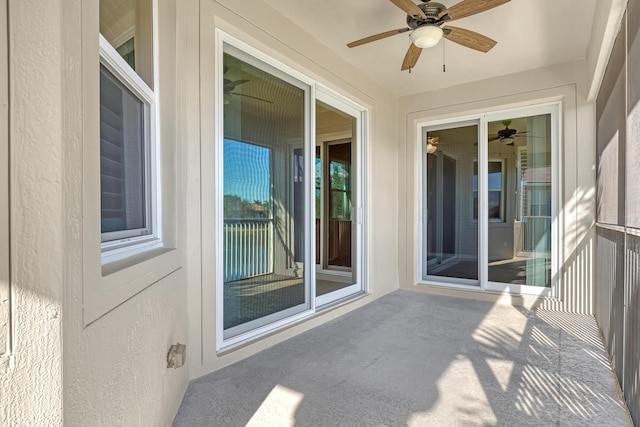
416 359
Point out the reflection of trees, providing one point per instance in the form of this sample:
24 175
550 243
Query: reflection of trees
339 176
235 207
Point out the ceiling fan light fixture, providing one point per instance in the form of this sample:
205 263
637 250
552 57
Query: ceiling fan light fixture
431 148
507 141
426 36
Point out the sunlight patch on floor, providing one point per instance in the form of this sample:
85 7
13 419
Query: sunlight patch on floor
460 392
278 409
501 370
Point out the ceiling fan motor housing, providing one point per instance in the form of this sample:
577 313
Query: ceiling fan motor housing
432 10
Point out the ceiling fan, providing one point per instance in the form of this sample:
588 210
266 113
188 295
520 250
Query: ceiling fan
432 142
230 87
425 23
507 135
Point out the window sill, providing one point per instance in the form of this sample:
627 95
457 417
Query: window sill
113 263
123 279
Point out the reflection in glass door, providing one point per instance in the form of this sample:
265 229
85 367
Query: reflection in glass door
264 195
336 228
451 240
339 206
519 243
488 203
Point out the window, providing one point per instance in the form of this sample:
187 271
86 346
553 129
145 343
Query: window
129 181
495 195
127 108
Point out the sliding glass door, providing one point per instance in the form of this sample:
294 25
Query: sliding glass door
265 232
290 213
338 199
489 201
451 229
520 237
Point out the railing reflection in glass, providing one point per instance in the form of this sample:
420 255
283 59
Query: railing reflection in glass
248 251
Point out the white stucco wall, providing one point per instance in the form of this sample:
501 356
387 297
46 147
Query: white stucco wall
31 390
5 294
113 371
567 83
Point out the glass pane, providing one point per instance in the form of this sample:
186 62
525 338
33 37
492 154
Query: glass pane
521 253
339 238
496 182
264 207
318 179
127 25
122 158
451 201
495 205
495 175
335 226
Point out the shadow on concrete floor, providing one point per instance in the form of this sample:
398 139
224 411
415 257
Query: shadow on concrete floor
416 359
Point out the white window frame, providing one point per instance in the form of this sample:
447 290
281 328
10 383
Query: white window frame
119 244
114 273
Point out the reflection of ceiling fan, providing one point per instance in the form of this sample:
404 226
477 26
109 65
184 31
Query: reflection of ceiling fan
230 87
432 142
425 22
506 135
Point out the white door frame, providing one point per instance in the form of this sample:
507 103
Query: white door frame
552 108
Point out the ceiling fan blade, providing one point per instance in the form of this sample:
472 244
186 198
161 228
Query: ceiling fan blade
410 8
469 7
252 97
378 37
469 39
231 85
411 57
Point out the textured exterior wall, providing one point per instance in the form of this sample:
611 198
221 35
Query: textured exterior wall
112 372
32 389
5 294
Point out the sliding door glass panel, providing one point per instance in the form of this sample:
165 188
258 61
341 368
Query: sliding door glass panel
519 243
318 195
450 225
339 198
335 199
264 196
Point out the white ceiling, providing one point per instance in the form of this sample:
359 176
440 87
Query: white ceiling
531 34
